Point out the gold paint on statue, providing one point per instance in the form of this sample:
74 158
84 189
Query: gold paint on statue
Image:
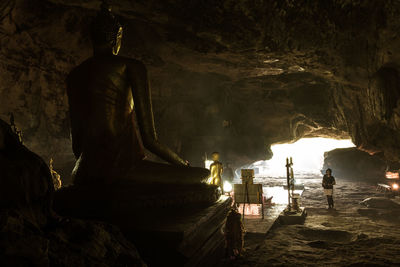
216 170
117 46
55 176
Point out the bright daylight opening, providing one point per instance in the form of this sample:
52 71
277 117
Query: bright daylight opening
307 154
308 160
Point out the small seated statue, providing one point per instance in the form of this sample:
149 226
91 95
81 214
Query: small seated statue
110 109
216 170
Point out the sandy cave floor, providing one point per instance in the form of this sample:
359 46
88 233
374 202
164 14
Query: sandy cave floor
351 235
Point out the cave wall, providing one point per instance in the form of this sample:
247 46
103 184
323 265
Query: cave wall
354 164
228 76
39 45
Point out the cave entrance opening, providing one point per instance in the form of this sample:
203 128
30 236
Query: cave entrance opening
307 154
308 160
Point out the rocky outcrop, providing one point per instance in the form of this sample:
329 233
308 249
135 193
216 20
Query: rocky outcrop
71 243
25 181
227 76
351 163
31 234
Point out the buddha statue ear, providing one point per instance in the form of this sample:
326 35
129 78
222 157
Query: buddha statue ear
106 29
118 40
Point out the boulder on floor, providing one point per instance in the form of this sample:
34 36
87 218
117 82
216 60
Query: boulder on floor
354 164
380 203
25 180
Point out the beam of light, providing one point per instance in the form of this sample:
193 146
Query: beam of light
278 193
207 163
307 153
395 186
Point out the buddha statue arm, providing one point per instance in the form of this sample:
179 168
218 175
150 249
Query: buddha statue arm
144 112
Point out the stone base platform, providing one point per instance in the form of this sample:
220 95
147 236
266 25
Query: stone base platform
99 201
181 237
292 217
179 228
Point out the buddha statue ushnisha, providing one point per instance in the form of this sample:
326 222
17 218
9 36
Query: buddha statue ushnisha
110 110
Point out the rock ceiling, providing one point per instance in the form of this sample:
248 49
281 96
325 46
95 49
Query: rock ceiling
232 76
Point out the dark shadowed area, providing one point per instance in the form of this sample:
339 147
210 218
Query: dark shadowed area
235 77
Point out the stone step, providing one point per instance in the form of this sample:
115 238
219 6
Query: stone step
169 232
179 237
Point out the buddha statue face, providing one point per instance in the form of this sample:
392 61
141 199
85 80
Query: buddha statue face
215 156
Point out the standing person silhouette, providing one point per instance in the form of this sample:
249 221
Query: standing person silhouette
328 181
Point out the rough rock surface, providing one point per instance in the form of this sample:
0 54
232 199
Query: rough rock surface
230 76
351 163
380 203
32 235
25 181
72 243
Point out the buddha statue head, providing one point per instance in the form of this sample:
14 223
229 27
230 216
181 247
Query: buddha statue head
106 31
215 156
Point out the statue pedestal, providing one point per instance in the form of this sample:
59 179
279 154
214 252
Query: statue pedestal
171 225
181 237
295 217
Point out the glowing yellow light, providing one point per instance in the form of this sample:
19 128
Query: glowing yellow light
395 186
227 187
307 154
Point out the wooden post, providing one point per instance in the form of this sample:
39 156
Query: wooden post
288 181
246 197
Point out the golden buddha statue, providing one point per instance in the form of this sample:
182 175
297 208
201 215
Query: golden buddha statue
216 170
107 93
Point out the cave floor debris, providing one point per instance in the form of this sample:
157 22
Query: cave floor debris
351 234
